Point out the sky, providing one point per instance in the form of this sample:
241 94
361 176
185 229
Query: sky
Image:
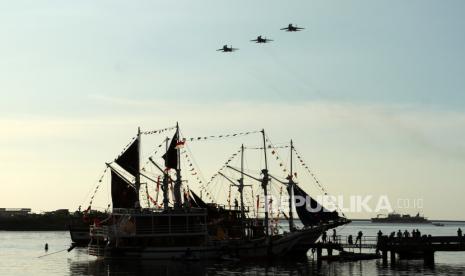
371 91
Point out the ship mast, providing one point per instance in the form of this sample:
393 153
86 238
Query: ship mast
165 183
137 176
178 183
241 184
265 181
290 190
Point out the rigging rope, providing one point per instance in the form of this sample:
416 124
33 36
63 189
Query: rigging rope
317 181
225 136
276 154
158 131
97 188
230 159
153 154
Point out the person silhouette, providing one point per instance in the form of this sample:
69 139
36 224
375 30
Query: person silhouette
359 237
323 237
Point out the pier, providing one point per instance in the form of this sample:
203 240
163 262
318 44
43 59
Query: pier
422 247
418 247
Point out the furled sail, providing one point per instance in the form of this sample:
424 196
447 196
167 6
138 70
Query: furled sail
171 155
315 213
129 160
123 195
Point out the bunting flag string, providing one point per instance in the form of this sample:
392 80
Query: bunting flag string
230 159
223 136
97 188
315 179
269 147
194 173
154 152
274 152
126 147
158 131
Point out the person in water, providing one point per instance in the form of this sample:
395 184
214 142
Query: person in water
46 247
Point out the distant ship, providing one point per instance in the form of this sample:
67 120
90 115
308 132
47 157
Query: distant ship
398 218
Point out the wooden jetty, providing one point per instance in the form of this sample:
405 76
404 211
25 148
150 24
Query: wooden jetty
418 247
341 245
422 247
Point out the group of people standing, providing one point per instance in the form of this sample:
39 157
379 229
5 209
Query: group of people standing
399 234
334 238
406 234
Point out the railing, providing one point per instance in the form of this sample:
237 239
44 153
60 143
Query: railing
119 231
438 242
346 242
158 211
95 250
98 231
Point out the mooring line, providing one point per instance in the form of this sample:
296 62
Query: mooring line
52 253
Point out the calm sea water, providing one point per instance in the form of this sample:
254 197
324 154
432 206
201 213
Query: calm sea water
20 251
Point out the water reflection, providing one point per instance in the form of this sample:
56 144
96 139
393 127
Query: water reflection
274 267
105 267
169 268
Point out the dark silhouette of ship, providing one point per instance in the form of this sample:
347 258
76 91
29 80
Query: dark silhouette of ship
184 226
399 218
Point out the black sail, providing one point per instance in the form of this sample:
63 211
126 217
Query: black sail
129 160
316 213
123 195
171 155
198 201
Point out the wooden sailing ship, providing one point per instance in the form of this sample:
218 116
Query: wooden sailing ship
190 228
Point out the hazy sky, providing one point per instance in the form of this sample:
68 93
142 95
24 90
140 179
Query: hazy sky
372 91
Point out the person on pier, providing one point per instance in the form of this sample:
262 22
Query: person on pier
406 234
334 236
399 234
359 237
323 237
459 232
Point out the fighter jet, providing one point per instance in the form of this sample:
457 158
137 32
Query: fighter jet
291 28
261 40
227 49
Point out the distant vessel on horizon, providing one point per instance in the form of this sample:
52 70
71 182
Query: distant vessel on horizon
399 218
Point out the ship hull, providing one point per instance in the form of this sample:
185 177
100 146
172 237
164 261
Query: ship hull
79 235
376 220
290 244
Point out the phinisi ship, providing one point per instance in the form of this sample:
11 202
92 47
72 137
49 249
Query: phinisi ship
185 226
